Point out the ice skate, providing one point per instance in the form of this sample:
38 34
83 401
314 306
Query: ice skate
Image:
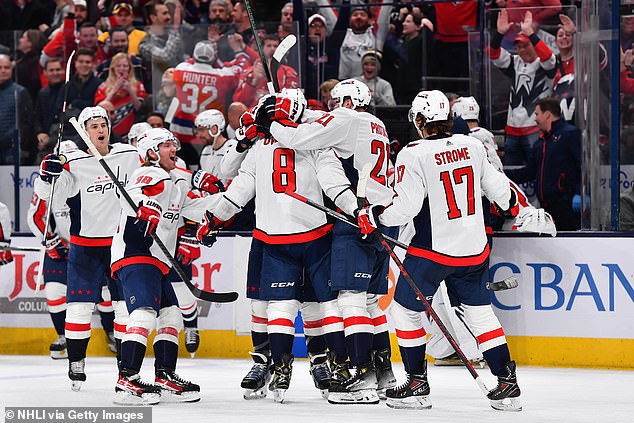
258 377
174 388
112 344
413 394
506 396
337 392
454 360
58 348
192 340
131 390
384 374
320 371
281 378
359 389
76 374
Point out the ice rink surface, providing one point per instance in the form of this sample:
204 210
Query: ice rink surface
548 394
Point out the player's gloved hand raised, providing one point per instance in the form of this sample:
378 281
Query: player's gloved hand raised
248 132
188 248
207 182
56 247
148 217
259 114
208 229
6 256
51 167
368 219
282 108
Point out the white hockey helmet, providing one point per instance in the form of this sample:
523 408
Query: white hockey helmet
152 139
205 52
298 98
95 112
209 118
357 91
433 105
137 130
67 146
467 108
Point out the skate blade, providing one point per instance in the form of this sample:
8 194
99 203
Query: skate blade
279 395
410 403
251 394
507 404
192 355
366 396
324 393
447 363
174 397
59 355
128 398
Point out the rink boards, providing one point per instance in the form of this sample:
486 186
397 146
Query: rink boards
573 308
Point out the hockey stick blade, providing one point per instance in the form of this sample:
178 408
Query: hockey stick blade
220 297
16 248
508 283
285 46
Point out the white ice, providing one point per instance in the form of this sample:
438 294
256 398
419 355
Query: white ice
548 394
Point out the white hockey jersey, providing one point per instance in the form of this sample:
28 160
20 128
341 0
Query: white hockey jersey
267 172
5 223
211 160
92 197
490 146
357 138
60 220
439 183
171 190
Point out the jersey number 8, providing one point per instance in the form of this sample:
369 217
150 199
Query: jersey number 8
284 176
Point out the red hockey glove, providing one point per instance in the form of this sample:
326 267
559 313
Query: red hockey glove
513 209
148 217
207 182
51 167
368 219
56 248
281 108
188 249
208 229
5 255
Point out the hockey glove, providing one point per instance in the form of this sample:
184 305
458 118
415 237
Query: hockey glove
6 256
148 216
56 248
188 249
260 115
208 229
282 108
206 182
51 167
368 219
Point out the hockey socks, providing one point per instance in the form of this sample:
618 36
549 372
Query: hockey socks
497 358
59 321
76 348
107 319
132 354
315 344
381 341
359 345
281 344
190 316
165 353
261 342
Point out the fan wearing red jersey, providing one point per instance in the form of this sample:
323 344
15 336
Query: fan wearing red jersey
439 182
199 87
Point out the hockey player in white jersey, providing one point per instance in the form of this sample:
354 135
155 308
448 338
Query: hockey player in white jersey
6 256
439 182
55 263
161 190
209 126
295 238
359 268
94 214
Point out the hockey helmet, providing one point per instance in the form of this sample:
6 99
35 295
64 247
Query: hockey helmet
298 98
467 108
209 118
95 112
152 139
433 105
357 91
205 52
137 130
67 146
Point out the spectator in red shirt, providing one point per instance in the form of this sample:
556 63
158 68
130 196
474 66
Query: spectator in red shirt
124 92
543 11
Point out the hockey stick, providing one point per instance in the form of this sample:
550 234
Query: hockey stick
336 215
62 117
215 297
362 202
508 283
10 248
281 50
272 84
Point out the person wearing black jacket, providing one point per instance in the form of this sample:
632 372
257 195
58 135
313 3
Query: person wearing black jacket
555 165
